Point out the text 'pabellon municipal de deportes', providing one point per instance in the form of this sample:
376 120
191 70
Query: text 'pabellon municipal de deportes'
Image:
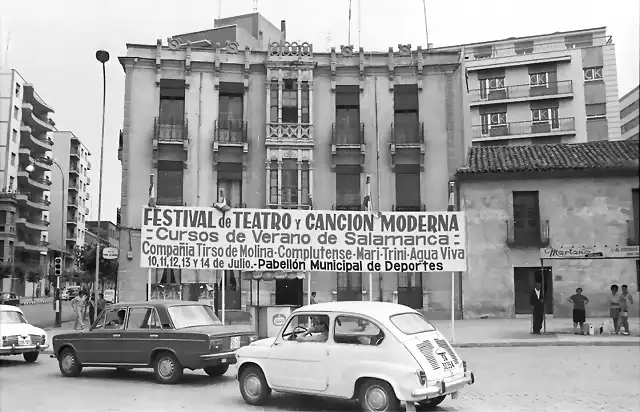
302 240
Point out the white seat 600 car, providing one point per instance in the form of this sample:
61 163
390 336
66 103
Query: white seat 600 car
18 336
381 354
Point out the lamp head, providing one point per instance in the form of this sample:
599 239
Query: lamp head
102 56
29 168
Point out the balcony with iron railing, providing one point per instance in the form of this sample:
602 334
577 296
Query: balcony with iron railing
521 92
408 208
231 137
527 129
33 201
633 231
527 235
407 140
348 140
170 130
351 208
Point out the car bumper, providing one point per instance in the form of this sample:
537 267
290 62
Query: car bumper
213 359
443 388
17 350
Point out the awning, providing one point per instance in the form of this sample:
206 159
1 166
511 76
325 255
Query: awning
267 276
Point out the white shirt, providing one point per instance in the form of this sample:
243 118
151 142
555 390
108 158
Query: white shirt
537 293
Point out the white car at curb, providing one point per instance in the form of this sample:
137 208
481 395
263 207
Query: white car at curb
382 354
18 337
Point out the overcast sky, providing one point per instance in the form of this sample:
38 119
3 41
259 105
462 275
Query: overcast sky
53 42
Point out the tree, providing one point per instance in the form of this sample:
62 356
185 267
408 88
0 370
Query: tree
5 270
87 262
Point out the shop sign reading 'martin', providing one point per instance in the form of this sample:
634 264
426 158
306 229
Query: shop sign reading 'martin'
302 240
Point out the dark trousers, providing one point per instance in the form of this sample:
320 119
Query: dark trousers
538 315
91 315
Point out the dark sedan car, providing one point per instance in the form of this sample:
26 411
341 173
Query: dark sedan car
9 298
168 336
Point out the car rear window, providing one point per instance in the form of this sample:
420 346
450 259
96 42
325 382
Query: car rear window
411 323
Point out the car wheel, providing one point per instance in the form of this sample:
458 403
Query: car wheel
216 371
167 368
68 363
30 357
430 404
378 396
253 386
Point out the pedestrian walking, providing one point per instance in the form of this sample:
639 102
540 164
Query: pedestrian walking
614 309
579 311
625 300
536 299
102 303
89 308
77 304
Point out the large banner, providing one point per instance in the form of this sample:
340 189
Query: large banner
302 240
591 252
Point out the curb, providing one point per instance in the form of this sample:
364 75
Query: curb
543 344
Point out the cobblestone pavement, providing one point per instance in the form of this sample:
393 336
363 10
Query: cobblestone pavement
539 379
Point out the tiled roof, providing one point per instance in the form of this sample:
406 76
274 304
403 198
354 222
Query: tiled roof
616 155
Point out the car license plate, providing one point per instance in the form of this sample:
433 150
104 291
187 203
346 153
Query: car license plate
24 341
235 342
447 365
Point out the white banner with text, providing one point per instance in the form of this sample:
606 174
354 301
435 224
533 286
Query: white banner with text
302 240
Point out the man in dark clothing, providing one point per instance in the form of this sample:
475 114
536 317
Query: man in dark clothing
536 299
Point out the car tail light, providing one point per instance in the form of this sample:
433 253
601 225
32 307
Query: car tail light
214 344
422 377
464 365
253 338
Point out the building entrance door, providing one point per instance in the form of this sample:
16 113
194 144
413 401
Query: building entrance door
289 292
524 279
410 289
349 286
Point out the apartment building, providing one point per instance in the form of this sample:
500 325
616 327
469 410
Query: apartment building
107 232
630 114
25 165
519 199
69 195
275 127
552 88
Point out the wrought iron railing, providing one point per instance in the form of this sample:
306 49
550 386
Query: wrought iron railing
170 130
566 124
537 236
230 131
411 208
346 135
520 91
407 133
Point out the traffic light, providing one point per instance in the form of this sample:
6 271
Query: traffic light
57 266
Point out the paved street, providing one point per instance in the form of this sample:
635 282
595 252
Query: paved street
509 379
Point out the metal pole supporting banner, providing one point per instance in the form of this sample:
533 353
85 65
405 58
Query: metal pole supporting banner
453 307
224 288
149 284
544 298
309 289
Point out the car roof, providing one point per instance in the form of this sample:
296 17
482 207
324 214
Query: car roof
10 308
156 303
376 310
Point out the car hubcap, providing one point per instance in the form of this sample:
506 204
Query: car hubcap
165 367
376 398
252 386
67 362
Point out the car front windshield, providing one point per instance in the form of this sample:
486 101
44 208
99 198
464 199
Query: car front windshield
411 323
11 317
187 316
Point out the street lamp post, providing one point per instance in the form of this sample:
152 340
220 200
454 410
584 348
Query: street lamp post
63 245
102 56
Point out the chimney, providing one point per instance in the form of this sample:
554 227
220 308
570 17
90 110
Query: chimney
283 28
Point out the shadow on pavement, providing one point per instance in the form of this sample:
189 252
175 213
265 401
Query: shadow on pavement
287 402
16 360
144 376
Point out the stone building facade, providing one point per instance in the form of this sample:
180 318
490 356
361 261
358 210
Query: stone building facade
518 199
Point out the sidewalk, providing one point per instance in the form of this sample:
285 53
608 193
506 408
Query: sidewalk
487 333
475 333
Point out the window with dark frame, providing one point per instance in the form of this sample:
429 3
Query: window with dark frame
347 128
169 190
491 120
274 184
526 217
273 102
406 114
172 103
289 101
407 189
545 116
539 79
304 104
348 196
230 112
488 85
289 188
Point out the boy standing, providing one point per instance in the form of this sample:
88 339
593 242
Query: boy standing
579 311
626 300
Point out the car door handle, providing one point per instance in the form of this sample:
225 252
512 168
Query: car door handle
276 343
116 335
153 335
